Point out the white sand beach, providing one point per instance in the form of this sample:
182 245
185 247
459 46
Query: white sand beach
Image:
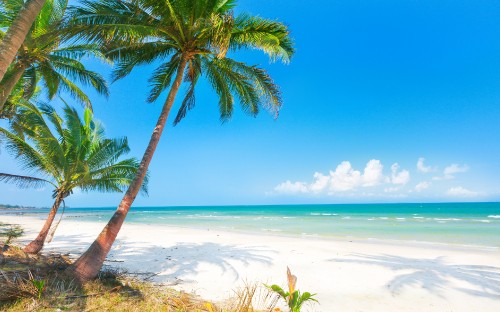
358 275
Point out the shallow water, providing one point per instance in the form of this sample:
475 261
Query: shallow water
457 223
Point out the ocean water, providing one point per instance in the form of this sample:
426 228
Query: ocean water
456 223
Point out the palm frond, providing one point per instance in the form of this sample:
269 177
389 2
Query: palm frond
106 21
222 88
75 70
130 56
162 77
30 158
268 91
192 75
272 37
23 181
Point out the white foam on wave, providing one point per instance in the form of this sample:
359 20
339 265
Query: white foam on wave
494 216
447 219
483 221
271 230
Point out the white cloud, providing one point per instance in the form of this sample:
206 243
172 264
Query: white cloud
401 178
455 168
372 174
423 168
345 178
391 189
450 171
460 191
291 188
422 186
320 183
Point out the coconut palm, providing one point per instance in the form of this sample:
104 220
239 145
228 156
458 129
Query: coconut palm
191 39
42 57
67 153
18 29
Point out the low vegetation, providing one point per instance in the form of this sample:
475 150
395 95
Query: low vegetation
38 283
293 297
41 283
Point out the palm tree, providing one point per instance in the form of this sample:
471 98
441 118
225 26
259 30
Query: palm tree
18 30
42 57
67 153
191 38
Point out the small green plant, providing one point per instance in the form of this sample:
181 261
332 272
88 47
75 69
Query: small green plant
38 284
11 233
294 298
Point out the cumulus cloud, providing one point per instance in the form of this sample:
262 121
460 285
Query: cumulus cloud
450 171
372 174
320 183
422 186
421 167
455 168
391 189
399 177
345 178
460 191
291 188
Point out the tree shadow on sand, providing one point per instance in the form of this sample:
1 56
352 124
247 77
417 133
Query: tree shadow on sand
435 275
169 264
174 263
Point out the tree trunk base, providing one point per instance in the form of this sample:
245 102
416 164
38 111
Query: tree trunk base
34 247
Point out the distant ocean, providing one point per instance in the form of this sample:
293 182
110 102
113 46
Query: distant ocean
456 223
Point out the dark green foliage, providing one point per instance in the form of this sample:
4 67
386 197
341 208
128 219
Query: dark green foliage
139 32
46 60
66 152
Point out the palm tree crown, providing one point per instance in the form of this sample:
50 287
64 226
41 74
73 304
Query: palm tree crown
43 57
67 153
202 32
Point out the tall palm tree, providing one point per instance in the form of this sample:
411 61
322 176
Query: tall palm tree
18 30
191 38
67 153
43 57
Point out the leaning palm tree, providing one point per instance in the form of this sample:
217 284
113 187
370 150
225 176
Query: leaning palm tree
43 57
18 29
67 153
191 39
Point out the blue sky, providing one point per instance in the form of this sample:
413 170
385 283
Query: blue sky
384 101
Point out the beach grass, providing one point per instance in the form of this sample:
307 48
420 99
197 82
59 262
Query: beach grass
39 283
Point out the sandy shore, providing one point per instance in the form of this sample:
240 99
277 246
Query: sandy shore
346 275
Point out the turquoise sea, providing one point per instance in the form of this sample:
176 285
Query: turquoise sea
456 223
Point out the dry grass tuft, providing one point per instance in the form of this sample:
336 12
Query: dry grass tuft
112 291
253 297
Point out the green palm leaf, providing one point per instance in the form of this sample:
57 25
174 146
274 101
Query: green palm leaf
23 181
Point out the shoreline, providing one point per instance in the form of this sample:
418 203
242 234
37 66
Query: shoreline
347 275
279 233
282 233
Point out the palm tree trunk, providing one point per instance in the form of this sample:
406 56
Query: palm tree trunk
90 262
35 246
17 33
9 83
